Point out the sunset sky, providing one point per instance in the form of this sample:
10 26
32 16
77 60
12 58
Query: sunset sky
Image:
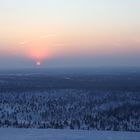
59 33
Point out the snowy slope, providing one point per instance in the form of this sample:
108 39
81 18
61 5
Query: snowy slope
50 134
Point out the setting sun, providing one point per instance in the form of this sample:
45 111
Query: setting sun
38 63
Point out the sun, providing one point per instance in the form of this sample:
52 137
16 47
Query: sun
38 63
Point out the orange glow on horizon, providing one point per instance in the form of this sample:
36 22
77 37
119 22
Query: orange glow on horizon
39 55
38 50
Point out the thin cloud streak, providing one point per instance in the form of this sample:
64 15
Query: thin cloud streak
23 43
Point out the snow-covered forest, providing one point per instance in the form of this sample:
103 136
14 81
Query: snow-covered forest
71 109
70 101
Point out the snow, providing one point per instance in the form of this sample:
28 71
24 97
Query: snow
52 134
70 108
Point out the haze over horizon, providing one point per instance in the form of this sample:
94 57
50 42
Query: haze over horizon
69 33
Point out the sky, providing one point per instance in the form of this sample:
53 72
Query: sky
69 33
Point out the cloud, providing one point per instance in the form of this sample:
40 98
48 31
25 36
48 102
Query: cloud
23 42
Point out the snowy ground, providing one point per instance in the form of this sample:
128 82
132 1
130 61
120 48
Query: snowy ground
50 134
